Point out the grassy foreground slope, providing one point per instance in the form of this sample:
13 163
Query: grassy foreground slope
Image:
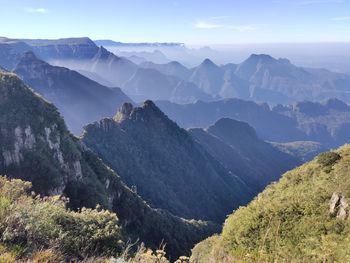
302 218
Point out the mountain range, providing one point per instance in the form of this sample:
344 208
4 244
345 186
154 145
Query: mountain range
170 171
261 78
36 146
175 170
79 99
324 122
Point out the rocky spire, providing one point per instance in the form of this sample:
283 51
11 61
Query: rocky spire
124 112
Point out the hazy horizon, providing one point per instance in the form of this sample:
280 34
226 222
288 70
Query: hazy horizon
194 23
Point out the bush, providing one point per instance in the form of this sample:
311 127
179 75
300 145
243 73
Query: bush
328 158
43 227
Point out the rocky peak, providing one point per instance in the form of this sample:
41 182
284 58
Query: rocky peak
29 56
233 130
148 104
29 60
208 63
260 58
339 206
124 112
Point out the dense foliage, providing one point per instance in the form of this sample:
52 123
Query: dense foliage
30 224
42 229
290 220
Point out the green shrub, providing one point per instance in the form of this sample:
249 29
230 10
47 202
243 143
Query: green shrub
328 158
36 224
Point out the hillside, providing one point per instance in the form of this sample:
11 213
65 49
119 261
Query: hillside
36 146
79 99
237 147
167 167
301 218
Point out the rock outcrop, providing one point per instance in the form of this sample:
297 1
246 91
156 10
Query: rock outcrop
339 206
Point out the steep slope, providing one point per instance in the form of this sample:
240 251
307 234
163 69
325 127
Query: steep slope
220 81
151 84
11 52
36 146
208 77
233 86
114 69
167 167
302 218
236 145
79 99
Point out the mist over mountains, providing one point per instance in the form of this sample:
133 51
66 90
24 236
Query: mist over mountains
167 139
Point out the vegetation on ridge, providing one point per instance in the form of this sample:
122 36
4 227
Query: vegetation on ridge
291 219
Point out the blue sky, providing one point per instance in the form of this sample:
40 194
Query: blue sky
188 21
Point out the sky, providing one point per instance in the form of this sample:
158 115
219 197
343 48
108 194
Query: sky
197 22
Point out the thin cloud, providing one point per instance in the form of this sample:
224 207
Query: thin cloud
207 25
217 22
341 18
37 10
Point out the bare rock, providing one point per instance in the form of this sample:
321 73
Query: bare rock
334 203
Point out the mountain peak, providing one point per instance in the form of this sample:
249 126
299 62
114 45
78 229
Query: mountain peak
124 112
233 130
29 56
208 63
29 60
147 111
261 57
337 104
149 104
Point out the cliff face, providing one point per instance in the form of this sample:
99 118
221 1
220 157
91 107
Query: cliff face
35 145
68 48
166 166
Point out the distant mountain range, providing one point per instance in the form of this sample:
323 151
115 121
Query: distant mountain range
261 78
327 123
147 44
79 99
